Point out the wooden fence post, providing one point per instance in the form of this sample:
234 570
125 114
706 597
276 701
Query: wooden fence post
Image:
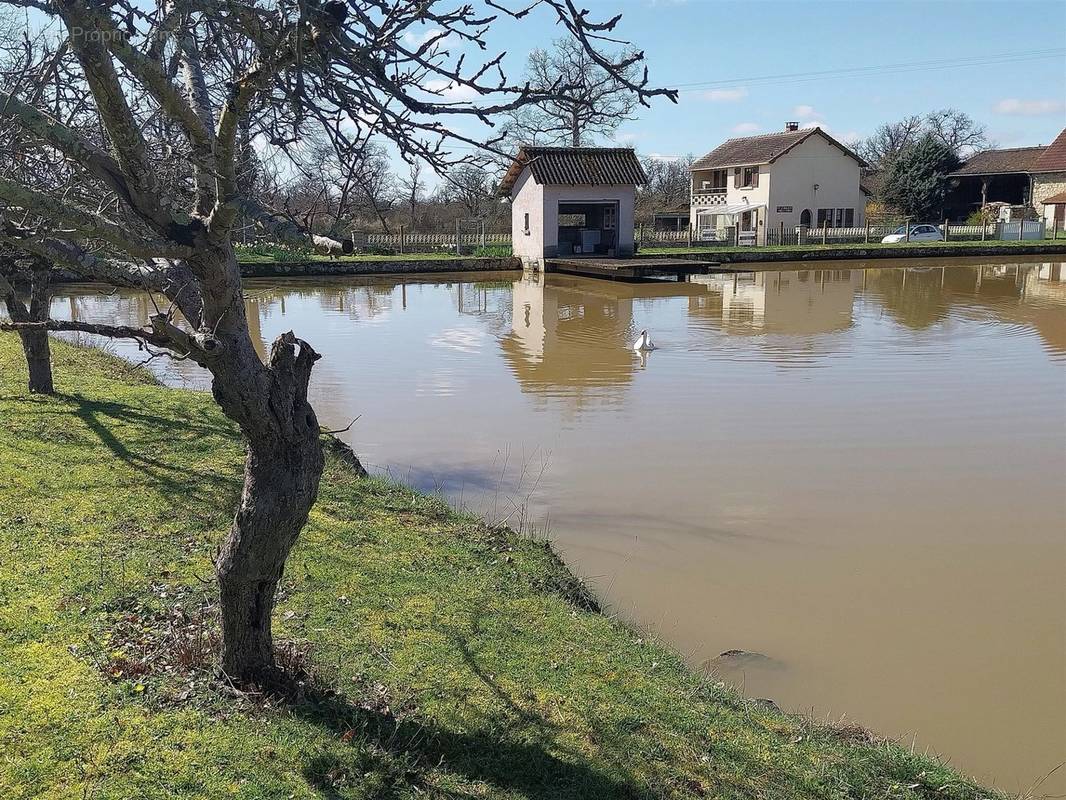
825 230
1021 228
907 232
984 227
866 235
402 239
689 235
781 233
458 241
640 236
945 230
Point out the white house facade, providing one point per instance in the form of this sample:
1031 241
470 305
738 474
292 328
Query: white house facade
749 185
572 202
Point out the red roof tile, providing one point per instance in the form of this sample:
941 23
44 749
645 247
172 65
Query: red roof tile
1053 159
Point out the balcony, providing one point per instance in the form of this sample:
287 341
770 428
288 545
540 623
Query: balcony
708 197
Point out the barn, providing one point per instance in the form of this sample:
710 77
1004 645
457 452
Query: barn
572 202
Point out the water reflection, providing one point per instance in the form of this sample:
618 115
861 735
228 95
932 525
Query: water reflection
857 473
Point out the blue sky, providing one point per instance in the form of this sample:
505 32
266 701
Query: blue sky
730 43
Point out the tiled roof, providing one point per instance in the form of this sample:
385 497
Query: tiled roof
576 166
762 149
1053 159
1055 199
1000 162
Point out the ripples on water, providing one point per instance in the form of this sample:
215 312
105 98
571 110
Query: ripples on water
857 473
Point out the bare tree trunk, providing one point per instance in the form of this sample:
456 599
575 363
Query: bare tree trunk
280 485
575 129
34 341
282 468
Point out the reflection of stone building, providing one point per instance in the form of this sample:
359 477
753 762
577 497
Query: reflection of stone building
570 336
809 301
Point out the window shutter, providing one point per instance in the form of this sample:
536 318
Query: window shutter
737 174
754 176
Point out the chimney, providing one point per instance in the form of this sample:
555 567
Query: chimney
792 126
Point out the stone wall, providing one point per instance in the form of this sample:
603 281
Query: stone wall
1046 184
383 266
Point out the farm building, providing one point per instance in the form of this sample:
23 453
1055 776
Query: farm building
572 201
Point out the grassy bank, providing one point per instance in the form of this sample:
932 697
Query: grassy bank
461 661
960 247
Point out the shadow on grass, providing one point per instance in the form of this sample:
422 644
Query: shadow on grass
147 436
402 751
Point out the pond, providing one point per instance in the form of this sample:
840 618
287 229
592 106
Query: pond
857 474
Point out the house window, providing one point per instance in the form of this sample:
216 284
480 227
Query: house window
750 178
849 217
840 218
805 217
825 217
526 224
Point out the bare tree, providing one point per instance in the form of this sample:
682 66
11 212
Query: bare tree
669 182
589 101
469 186
957 130
162 102
888 140
954 128
411 189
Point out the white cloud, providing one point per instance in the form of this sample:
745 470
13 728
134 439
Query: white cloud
455 93
805 112
663 157
415 40
851 138
815 124
1028 108
746 127
726 95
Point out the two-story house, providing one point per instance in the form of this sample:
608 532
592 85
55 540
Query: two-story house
758 183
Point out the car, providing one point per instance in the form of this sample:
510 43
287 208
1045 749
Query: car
919 233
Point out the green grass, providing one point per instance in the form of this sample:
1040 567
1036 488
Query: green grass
961 246
461 664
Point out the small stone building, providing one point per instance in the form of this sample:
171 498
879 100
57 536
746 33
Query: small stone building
1049 183
572 202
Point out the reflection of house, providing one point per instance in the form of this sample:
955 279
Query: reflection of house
570 337
797 177
1049 182
572 201
806 302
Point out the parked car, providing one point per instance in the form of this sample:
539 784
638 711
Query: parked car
919 233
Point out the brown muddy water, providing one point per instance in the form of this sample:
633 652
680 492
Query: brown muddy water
858 474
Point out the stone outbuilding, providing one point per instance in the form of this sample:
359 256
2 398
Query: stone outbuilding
1049 183
572 202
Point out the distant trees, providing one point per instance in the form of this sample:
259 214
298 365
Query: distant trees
953 128
915 181
668 186
583 101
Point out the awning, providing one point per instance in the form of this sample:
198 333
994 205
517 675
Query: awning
730 210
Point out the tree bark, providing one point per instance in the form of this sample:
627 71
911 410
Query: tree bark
282 468
35 345
280 486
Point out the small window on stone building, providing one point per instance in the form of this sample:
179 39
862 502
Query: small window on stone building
526 223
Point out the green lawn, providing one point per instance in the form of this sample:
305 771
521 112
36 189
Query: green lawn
461 662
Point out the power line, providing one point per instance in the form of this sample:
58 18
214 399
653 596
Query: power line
881 69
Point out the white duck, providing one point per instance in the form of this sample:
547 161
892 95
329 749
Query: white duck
643 343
